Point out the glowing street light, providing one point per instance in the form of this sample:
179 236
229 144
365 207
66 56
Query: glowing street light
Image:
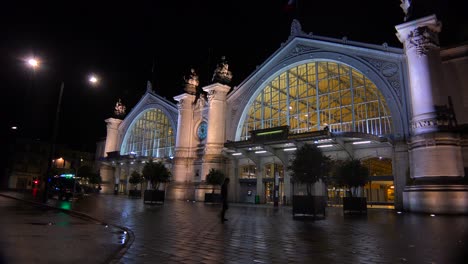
32 62
93 79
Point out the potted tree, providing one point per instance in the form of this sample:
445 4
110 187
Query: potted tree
310 166
135 179
155 173
353 175
215 178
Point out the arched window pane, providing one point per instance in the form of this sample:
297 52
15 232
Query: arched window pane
311 96
150 135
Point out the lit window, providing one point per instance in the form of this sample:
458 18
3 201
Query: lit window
311 96
150 135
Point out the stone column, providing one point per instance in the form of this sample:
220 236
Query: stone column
434 149
401 169
112 144
216 132
112 138
182 171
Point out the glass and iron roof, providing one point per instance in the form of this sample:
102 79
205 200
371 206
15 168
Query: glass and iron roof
317 95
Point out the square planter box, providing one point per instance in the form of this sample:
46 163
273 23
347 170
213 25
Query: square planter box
306 205
134 194
154 196
355 205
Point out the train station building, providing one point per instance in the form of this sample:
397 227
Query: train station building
401 112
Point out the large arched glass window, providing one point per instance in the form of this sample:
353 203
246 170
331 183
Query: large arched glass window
150 135
311 96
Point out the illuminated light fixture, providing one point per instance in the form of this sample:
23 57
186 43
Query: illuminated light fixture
260 151
33 62
121 163
270 132
290 107
14 127
361 142
392 187
171 157
236 154
432 215
143 161
325 146
93 79
131 162
324 140
289 149
398 212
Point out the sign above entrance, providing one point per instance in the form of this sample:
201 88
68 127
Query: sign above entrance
269 134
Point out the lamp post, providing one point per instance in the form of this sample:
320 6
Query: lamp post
93 79
52 144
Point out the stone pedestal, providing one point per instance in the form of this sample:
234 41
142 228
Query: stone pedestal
434 151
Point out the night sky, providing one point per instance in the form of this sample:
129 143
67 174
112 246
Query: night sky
121 40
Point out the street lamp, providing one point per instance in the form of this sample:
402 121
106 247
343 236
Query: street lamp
34 63
93 79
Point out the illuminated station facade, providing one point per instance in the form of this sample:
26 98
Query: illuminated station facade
401 112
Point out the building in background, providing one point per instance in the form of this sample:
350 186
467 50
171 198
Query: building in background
27 162
402 112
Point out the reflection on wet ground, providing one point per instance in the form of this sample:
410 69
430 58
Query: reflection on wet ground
190 232
39 234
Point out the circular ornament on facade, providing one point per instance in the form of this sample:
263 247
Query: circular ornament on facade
202 130
389 69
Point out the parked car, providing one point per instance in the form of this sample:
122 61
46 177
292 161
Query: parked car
62 188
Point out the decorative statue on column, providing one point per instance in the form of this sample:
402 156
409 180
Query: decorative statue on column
407 9
222 74
191 82
119 109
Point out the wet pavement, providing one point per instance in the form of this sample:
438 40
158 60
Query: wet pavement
34 233
189 232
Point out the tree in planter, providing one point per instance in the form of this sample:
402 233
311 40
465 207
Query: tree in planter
352 174
215 177
309 166
135 179
156 173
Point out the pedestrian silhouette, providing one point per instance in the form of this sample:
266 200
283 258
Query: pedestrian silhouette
224 196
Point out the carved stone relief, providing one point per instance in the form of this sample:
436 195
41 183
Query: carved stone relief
389 70
300 49
422 39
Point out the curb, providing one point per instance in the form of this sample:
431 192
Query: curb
129 233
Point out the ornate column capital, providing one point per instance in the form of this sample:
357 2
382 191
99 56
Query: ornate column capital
184 100
113 123
421 34
217 91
